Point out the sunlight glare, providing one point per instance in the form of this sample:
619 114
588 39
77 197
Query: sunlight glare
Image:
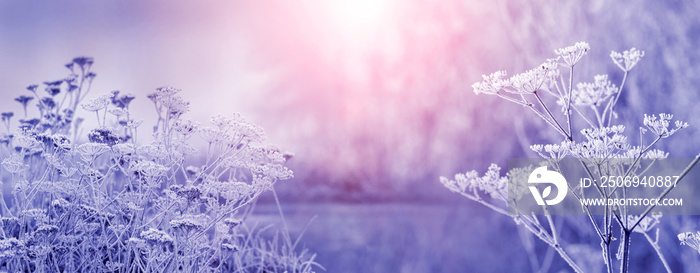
356 18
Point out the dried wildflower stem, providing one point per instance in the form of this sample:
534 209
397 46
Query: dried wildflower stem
587 209
554 120
665 192
286 235
221 217
568 102
5 209
605 237
628 230
626 240
536 228
590 175
566 258
555 237
583 116
636 160
560 94
487 204
523 102
614 100
60 106
655 245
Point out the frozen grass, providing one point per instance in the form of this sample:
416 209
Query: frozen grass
118 204
549 92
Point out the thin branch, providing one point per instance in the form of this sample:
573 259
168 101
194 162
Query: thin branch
614 101
558 126
568 102
654 244
663 194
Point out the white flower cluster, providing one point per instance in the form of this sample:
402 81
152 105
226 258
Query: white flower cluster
149 168
153 151
156 237
110 188
593 94
89 151
491 83
224 123
527 82
231 131
98 103
601 143
572 54
518 185
124 150
273 171
14 164
530 81
555 151
660 126
691 239
627 59
229 190
187 223
167 99
136 242
25 143
185 127
656 154
45 230
491 183
647 223
10 248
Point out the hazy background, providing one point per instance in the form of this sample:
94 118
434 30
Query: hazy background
374 98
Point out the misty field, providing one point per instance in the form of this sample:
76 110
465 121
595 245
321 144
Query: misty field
348 136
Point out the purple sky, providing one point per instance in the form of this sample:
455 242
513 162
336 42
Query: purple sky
343 82
138 46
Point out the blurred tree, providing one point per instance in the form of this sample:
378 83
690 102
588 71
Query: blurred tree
381 118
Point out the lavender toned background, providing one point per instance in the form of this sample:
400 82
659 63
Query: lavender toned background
374 98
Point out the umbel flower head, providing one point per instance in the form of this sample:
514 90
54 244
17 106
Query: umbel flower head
491 183
168 98
156 237
11 248
14 164
593 94
103 136
555 152
530 81
572 54
527 82
149 168
89 151
83 61
660 126
492 83
601 143
98 103
691 239
189 222
627 59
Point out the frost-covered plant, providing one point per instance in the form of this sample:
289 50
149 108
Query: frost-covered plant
602 148
691 239
113 204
